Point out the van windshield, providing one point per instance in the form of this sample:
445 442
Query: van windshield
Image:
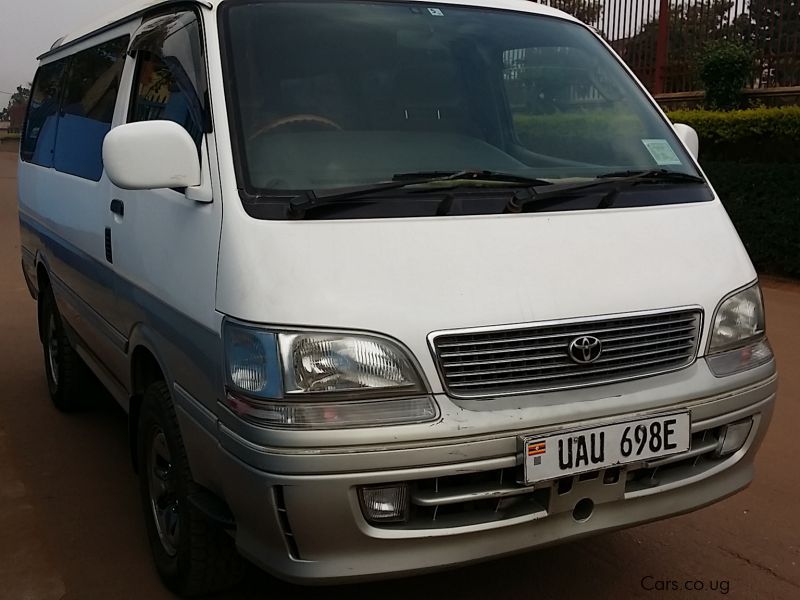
334 95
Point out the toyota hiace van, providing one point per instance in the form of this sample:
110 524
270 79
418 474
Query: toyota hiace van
385 286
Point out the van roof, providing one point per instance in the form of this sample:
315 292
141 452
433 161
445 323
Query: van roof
137 7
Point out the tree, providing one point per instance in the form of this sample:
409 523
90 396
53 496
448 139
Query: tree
775 32
690 28
20 96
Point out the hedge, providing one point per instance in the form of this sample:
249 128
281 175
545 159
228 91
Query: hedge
763 201
753 159
758 134
761 134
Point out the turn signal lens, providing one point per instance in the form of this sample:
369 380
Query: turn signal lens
251 358
332 415
734 361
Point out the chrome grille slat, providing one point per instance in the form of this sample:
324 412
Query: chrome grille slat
483 362
478 363
502 350
643 335
683 346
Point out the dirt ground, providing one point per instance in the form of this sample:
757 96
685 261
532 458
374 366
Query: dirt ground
71 526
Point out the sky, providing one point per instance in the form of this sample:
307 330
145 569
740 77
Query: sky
29 27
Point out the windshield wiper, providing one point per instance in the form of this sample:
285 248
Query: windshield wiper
553 195
499 177
299 205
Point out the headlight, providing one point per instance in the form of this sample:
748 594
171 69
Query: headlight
321 379
320 363
738 319
738 339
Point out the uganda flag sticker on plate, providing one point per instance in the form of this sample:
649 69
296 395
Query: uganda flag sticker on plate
536 450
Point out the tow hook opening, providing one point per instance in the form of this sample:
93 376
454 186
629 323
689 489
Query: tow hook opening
583 510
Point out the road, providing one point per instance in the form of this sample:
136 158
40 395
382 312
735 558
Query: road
71 526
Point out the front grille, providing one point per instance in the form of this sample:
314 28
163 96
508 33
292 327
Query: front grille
534 358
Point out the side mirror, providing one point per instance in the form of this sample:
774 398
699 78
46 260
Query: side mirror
689 138
151 155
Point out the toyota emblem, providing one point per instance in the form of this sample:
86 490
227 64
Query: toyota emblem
585 350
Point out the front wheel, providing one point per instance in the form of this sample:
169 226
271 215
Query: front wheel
192 554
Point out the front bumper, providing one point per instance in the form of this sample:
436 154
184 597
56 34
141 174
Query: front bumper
309 528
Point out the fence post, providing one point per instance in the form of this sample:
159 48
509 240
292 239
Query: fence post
662 46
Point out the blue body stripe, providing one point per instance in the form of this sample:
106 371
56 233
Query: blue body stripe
191 352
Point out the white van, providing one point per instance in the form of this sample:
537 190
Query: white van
385 286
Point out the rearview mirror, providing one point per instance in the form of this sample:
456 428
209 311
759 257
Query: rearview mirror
151 155
689 138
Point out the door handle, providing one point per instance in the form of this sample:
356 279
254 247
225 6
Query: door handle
118 207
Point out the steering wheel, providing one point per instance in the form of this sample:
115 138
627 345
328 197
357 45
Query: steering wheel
291 120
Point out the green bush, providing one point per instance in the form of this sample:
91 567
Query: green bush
763 201
755 135
753 159
725 68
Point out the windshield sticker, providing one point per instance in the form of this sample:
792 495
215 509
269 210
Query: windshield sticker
436 12
662 152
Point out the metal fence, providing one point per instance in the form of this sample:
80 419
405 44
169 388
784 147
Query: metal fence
662 40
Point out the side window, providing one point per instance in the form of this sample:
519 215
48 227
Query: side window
170 81
39 139
159 96
90 93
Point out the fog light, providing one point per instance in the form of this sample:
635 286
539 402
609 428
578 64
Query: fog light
385 504
733 437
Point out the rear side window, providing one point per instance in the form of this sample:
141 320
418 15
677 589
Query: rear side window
71 109
38 142
90 93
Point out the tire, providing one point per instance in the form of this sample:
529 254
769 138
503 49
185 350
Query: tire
193 555
68 379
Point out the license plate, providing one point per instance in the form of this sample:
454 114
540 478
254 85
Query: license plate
575 452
